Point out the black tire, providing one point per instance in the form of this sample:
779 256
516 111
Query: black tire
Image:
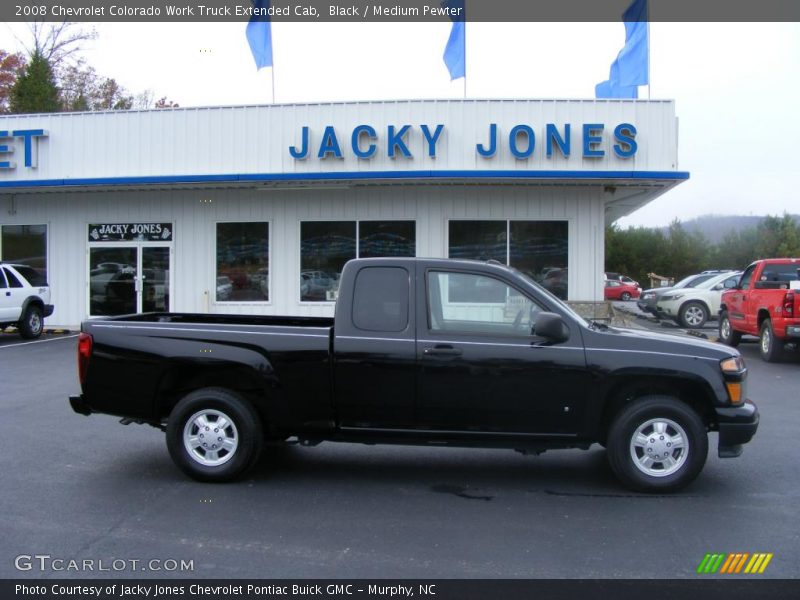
32 322
645 415
727 335
625 296
239 445
693 315
770 347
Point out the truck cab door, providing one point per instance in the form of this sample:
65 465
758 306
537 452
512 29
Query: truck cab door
374 348
738 300
481 368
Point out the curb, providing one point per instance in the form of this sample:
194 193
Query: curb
49 331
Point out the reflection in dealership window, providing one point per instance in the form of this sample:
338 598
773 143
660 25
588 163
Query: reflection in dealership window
242 262
537 248
325 247
386 238
25 244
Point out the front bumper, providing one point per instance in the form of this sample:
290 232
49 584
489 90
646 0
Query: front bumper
648 307
79 406
48 309
737 426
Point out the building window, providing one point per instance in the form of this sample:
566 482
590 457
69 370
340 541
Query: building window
25 244
325 246
242 262
537 248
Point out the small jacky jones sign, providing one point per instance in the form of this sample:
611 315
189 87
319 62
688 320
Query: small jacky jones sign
130 232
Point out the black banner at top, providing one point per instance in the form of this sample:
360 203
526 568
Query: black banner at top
130 232
376 11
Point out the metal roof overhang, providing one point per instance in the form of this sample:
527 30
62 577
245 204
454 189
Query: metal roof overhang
626 191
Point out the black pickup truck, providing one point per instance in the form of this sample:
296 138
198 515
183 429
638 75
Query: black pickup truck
421 351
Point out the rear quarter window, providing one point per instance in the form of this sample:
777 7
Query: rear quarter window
380 299
34 278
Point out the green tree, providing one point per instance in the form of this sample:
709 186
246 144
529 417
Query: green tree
35 89
778 237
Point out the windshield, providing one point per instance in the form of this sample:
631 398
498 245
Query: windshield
694 280
710 283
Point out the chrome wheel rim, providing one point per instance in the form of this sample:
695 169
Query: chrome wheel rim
35 322
694 316
725 329
210 437
659 447
766 340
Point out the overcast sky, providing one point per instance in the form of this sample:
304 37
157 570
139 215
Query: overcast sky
736 85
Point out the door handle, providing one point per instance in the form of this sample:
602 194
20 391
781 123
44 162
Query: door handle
443 350
8 293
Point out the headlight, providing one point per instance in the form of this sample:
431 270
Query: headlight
735 364
648 296
672 297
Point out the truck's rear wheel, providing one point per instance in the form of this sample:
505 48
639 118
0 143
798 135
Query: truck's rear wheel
657 444
214 434
32 322
770 347
727 334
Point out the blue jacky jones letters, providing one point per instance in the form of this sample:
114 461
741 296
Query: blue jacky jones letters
362 141
522 141
365 141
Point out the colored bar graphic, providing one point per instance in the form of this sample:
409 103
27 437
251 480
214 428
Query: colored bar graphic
729 563
734 562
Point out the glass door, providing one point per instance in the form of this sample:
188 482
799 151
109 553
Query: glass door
128 279
154 278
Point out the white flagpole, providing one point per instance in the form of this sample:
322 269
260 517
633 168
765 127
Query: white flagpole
649 74
465 57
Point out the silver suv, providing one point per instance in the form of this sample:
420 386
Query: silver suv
24 299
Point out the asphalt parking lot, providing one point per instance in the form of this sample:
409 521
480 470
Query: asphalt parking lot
88 488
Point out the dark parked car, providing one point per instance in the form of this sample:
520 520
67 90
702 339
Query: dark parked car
503 365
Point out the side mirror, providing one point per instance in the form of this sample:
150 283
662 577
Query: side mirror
717 287
551 326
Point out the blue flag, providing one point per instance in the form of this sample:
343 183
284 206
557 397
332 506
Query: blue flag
630 69
259 35
612 89
455 53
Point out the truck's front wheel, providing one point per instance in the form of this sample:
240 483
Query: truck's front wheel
214 434
657 444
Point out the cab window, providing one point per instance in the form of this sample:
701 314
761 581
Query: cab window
380 299
473 303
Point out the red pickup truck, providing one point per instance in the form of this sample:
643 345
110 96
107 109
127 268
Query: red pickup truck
765 303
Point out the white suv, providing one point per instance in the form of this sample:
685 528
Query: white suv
24 299
692 307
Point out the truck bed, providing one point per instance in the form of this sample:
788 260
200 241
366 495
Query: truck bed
162 355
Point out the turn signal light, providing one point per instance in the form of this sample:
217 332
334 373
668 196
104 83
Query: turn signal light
734 392
84 353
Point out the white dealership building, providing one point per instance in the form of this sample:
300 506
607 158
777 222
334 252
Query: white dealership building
254 209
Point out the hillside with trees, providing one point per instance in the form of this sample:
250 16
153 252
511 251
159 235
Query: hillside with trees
680 250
